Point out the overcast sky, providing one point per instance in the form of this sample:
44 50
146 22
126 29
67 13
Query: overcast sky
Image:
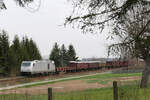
46 27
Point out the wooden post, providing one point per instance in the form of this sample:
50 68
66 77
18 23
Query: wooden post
50 94
115 90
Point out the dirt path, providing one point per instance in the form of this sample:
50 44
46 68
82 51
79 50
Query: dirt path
67 86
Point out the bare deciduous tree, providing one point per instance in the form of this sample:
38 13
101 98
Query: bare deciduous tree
128 19
31 5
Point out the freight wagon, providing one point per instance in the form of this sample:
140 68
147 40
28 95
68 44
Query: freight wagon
80 65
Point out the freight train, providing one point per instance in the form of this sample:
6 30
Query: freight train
47 66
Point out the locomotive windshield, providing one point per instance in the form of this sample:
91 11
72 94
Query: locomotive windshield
26 64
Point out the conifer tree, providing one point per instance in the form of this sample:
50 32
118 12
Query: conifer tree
15 53
25 55
33 51
13 63
27 47
64 56
4 51
71 53
30 49
55 55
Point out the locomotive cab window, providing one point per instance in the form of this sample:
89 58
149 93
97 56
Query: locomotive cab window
26 64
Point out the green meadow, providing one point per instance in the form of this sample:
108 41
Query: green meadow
128 91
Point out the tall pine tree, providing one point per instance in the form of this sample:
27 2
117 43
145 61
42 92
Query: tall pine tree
30 49
24 46
4 51
55 55
64 56
71 53
15 52
34 51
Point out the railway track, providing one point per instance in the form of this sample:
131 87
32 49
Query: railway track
11 78
23 79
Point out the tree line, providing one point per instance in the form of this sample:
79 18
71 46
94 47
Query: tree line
11 55
25 49
61 55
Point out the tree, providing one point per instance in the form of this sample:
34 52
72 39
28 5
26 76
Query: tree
55 55
30 49
25 49
14 68
64 56
71 53
126 22
4 51
34 51
31 5
15 55
90 15
135 42
21 3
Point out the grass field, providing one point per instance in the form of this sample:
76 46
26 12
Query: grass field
129 91
92 94
92 78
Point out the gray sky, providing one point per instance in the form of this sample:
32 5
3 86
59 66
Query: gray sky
45 27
